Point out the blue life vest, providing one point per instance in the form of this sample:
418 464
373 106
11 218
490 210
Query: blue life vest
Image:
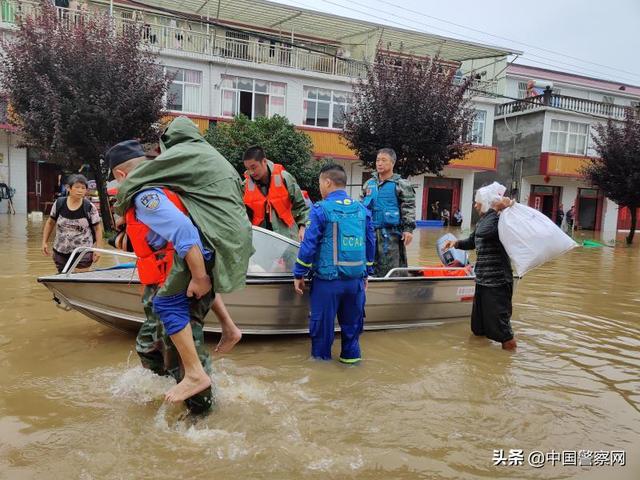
383 203
342 253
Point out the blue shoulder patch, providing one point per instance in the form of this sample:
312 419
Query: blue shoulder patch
151 200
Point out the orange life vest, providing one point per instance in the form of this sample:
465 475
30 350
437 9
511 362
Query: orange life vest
443 271
153 265
277 198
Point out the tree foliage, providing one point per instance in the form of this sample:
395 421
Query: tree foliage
415 108
280 140
616 170
77 87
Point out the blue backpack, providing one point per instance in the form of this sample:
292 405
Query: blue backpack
342 252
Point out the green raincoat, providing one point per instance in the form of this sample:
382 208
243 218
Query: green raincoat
210 189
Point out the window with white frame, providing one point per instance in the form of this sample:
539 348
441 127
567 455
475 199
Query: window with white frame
569 137
326 108
252 97
185 91
522 89
476 135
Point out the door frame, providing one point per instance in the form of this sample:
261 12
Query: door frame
453 184
535 199
599 197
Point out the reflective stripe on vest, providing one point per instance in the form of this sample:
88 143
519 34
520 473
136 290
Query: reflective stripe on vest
277 198
153 265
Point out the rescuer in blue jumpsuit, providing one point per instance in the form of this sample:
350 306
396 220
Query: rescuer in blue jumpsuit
339 249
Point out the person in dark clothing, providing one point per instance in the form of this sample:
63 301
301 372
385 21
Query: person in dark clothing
491 315
571 214
559 215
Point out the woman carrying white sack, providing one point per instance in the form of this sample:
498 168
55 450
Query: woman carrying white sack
491 314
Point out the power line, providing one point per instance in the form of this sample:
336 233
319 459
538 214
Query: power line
560 65
583 70
505 38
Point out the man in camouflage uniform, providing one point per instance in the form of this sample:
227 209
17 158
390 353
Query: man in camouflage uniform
158 353
223 236
273 197
392 202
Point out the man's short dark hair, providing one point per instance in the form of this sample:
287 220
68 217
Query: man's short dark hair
254 153
77 178
335 173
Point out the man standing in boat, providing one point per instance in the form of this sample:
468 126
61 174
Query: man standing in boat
272 196
186 222
392 202
491 314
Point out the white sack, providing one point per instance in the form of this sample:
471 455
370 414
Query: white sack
531 238
489 195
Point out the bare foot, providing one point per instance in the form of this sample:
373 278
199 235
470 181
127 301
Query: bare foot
188 387
228 339
509 344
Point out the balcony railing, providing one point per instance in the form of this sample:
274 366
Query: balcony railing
179 39
574 104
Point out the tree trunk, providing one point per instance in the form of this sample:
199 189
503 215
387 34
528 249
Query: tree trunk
632 229
105 208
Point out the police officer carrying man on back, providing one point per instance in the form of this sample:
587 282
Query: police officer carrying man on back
272 196
391 200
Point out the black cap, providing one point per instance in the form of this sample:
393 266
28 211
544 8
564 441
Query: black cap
122 152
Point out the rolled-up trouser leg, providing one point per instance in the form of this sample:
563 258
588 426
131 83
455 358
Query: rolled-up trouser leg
178 281
351 319
324 308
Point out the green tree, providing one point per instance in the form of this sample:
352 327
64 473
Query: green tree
280 140
76 87
417 109
616 170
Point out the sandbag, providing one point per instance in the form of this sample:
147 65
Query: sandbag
530 238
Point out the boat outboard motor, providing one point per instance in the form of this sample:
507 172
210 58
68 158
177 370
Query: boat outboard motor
453 257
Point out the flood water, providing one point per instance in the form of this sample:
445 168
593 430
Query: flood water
425 403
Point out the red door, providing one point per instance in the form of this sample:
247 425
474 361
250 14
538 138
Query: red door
445 191
624 218
41 183
545 199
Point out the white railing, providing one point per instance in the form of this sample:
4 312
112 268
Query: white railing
563 102
167 37
78 254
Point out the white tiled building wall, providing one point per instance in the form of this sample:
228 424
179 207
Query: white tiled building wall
13 171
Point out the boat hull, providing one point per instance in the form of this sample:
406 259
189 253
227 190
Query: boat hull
269 305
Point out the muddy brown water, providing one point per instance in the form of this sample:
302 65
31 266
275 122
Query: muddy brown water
425 403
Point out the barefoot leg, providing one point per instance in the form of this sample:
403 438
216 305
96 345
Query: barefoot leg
195 378
231 334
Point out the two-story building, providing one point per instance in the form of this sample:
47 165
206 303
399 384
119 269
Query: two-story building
544 140
260 58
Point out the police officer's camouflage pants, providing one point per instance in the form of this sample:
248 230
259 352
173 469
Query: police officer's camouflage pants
155 348
390 251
